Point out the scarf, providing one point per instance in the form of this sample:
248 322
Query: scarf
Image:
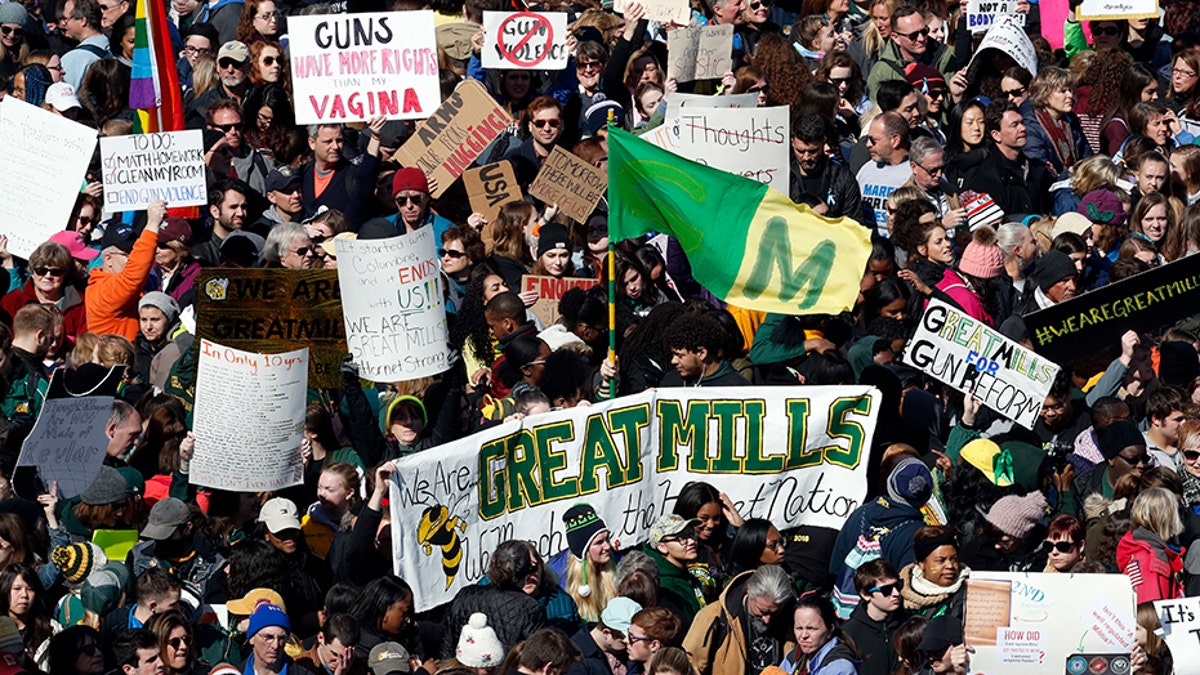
1191 488
919 592
1060 136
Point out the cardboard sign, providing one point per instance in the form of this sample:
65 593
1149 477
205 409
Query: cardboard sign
1117 10
963 352
664 11
45 159
394 306
273 310
1021 623
750 142
270 390
1144 302
700 52
792 455
142 168
446 144
570 182
491 187
525 40
1180 621
353 67
550 290
1008 36
981 14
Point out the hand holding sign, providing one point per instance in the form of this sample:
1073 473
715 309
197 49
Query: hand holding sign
525 40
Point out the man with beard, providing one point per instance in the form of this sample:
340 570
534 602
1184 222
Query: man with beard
814 177
233 65
170 541
227 207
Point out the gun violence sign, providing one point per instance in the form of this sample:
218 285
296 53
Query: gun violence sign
525 40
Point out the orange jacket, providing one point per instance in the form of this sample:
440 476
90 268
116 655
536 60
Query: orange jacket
112 299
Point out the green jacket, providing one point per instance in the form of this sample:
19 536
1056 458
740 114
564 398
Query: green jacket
26 390
891 65
677 589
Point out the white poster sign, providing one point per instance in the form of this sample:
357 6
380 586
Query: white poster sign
700 52
525 40
353 67
1117 10
45 159
664 11
792 455
1022 623
249 419
1180 621
1008 36
750 142
981 14
142 168
678 101
393 305
963 352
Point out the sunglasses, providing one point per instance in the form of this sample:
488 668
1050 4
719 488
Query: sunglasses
91 648
443 252
1143 458
886 590
1191 455
689 535
1110 31
1013 92
631 638
933 171
403 200
542 123
267 16
11 30
230 63
226 128
269 60
759 5
759 90
49 271
936 93
305 251
587 65
840 80
176 643
86 220
1060 546
912 37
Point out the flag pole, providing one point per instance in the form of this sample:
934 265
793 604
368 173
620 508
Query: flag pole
612 301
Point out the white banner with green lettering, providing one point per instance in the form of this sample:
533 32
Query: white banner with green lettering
793 455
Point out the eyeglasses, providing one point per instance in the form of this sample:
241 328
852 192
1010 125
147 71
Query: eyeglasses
1013 93
1185 72
912 37
268 16
403 200
443 252
196 51
12 30
265 119
1110 31
541 123
776 545
49 271
226 128
1061 546
176 642
269 60
886 590
305 251
587 65
230 63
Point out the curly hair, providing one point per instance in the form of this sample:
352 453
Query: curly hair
910 232
246 32
1104 77
783 68
695 331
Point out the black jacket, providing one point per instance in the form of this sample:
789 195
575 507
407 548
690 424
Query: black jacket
594 662
832 183
1018 188
514 615
351 185
874 640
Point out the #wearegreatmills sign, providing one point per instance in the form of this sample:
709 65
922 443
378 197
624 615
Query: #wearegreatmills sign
268 310
446 144
353 67
142 168
793 455
393 304
699 52
490 187
966 354
570 182
249 419
1150 300
525 40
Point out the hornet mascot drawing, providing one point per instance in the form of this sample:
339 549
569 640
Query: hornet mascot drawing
437 529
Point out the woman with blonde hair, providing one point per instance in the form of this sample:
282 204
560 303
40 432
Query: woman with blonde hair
1185 173
587 568
870 37
1148 554
1093 173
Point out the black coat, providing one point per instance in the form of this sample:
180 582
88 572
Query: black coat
1018 188
874 640
593 661
514 615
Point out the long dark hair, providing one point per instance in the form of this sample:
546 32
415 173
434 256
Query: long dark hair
954 140
469 322
747 546
376 598
66 646
692 498
1133 81
37 623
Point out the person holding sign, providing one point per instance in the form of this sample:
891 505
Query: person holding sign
331 180
114 289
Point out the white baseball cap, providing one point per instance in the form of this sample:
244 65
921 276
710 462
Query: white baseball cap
62 96
279 514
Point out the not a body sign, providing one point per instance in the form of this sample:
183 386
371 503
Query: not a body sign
353 67
966 354
142 168
981 14
525 40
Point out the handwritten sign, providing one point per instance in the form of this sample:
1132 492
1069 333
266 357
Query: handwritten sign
1117 10
700 52
1180 621
45 159
570 182
981 14
677 101
549 291
353 67
1147 301
394 308
142 168
446 144
525 40
491 187
1008 36
966 354
750 142
269 310
664 11
270 390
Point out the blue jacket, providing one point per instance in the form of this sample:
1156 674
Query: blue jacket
834 658
1040 148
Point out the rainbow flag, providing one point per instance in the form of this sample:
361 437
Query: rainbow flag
154 92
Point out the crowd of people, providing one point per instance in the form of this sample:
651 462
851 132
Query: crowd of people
995 184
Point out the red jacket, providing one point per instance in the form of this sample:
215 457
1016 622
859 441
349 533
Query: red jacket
74 314
1153 567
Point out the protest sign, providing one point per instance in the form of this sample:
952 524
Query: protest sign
45 159
700 52
249 419
525 40
664 11
966 354
68 442
446 144
1180 621
269 310
677 101
981 14
1008 36
1097 319
491 187
1116 10
353 67
1021 623
142 168
394 306
750 142
628 457
570 182
549 291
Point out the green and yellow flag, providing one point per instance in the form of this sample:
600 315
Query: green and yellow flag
747 243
